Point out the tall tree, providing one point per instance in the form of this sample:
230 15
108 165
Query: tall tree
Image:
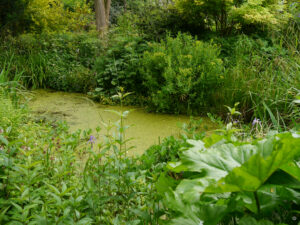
102 10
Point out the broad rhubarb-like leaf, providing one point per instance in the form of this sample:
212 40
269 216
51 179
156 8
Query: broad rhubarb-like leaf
245 167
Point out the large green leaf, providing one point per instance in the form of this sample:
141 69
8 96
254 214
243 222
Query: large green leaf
259 167
238 167
231 168
165 183
207 214
270 197
280 177
218 161
292 168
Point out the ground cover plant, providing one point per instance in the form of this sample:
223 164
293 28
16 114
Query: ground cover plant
237 62
43 181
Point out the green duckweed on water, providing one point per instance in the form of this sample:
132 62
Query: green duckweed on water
81 113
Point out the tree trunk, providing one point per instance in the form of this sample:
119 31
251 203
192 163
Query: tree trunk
107 11
102 11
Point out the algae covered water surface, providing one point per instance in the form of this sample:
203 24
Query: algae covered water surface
81 113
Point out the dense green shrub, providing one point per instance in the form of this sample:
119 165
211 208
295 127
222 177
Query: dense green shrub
182 75
154 21
58 61
230 16
118 65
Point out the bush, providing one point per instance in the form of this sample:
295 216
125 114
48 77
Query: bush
118 65
228 16
61 62
153 21
182 75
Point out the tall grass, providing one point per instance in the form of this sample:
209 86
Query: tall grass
264 76
22 65
10 85
58 61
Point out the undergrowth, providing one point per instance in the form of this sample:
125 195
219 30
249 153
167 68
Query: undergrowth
49 175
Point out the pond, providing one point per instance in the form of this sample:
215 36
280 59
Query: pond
82 113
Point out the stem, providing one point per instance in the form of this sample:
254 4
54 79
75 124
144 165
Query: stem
257 202
99 177
234 220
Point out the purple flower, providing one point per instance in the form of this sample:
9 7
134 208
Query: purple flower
92 140
255 121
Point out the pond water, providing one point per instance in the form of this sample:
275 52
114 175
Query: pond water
82 113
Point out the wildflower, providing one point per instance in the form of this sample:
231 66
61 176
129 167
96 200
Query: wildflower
255 121
92 140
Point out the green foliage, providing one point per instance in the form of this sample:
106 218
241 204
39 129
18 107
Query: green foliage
262 75
118 64
157 156
44 16
155 21
212 14
182 74
13 17
235 178
263 13
226 16
49 175
61 62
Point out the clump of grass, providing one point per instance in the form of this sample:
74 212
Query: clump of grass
264 78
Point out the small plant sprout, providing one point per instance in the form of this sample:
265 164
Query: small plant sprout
233 111
233 114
